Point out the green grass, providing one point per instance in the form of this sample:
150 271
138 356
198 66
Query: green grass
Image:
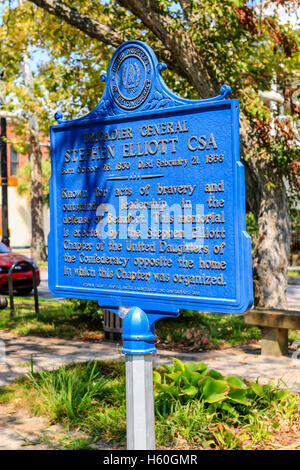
190 410
293 273
76 443
294 335
57 319
43 264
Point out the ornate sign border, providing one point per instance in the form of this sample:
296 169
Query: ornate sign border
159 100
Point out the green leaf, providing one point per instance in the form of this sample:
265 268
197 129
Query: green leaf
175 377
178 365
190 372
215 390
257 389
202 381
195 366
214 374
281 394
168 368
238 3
235 382
190 391
239 396
194 378
168 389
156 377
267 389
230 409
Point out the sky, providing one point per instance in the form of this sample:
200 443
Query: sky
285 17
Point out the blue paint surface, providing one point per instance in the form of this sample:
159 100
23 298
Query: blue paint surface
170 169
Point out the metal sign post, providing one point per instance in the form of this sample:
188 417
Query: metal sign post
139 402
138 347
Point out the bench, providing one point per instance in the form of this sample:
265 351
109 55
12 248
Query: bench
275 325
112 325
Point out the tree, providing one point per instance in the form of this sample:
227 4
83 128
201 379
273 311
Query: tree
24 180
206 43
38 248
26 122
36 88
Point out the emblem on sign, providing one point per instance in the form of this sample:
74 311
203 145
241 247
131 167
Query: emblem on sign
131 75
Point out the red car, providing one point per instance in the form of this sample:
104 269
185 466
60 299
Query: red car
22 275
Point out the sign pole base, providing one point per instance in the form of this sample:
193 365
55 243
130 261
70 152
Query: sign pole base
139 402
138 347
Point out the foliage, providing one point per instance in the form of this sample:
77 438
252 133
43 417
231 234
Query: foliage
221 331
83 319
252 51
252 228
69 392
197 338
206 408
188 381
66 67
90 396
24 180
251 225
195 407
88 307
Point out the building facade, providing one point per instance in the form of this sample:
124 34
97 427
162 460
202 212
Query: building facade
19 215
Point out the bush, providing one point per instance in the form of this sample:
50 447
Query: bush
195 407
206 409
88 307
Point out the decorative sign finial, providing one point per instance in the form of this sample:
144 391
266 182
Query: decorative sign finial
130 76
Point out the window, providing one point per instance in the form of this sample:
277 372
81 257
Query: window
4 248
14 161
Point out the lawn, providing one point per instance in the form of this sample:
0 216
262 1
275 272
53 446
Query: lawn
66 319
195 407
294 273
83 320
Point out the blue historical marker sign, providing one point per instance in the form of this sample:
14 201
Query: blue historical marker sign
147 197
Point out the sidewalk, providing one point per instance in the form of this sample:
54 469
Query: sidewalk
49 353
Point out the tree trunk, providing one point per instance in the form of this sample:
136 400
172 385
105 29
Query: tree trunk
271 253
38 249
271 210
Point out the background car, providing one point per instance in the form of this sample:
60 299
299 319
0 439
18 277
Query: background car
22 275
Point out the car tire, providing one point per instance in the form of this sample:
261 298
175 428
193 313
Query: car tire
24 291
